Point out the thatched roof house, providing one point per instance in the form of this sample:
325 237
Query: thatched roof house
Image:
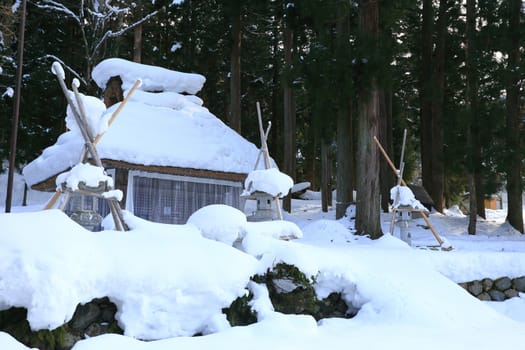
169 155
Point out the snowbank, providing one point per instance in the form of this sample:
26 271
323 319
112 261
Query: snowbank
166 280
169 281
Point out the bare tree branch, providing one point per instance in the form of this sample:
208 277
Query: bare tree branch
111 34
58 7
75 74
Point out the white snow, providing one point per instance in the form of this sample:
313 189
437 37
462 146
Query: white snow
9 92
88 174
220 222
10 343
403 196
170 281
94 109
270 181
153 78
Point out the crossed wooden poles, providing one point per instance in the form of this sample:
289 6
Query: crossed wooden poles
266 154
90 140
402 182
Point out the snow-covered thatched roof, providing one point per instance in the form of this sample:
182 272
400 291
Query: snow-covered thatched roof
163 128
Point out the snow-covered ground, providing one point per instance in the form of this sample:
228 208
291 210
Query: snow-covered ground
172 281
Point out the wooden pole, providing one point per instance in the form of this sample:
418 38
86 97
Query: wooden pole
80 118
119 108
391 164
399 178
16 109
261 151
266 154
55 197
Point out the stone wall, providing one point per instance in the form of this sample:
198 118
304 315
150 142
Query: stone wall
495 289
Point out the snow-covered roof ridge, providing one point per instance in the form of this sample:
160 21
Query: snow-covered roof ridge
166 129
153 78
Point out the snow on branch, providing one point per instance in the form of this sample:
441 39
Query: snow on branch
112 34
58 7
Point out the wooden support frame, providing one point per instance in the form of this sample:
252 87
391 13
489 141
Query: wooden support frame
402 182
266 154
90 141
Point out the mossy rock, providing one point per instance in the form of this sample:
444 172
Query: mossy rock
240 313
14 321
291 292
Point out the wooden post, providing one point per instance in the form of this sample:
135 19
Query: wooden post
16 109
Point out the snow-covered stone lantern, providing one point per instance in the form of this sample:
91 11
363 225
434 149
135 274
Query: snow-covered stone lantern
404 203
266 187
85 184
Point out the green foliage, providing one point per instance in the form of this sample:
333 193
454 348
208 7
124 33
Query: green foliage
239 313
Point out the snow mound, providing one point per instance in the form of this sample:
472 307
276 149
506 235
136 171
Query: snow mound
454 211
166 280
219 222
327 231
153 78
279 229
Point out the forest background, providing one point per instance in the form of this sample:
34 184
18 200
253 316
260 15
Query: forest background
329 74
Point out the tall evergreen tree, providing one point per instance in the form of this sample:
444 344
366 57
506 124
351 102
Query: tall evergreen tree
471 104
368 199
513 84
432 100
345 179
289 115
234 12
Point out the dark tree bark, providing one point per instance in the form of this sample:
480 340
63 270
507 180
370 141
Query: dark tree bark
387 178
137 44
344 172
312 160
471 101
426 93
438 166
289 116
344 133
514 158
432 100
325 177
368 196
234 117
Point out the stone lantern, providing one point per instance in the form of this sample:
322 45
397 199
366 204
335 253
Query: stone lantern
264 210
404 216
